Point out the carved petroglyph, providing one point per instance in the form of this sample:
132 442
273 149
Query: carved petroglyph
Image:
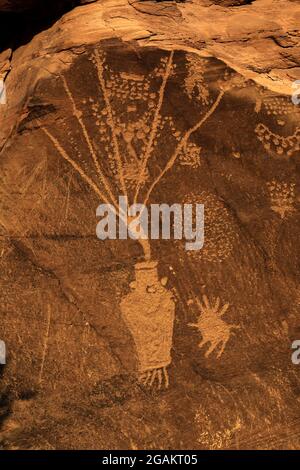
282 197
277 144
213 329
137 133
281 108
156 120
130 131
195 85
190 156
183 142
211 438
232 80
149 312
219 228
99 60
279 105
274 105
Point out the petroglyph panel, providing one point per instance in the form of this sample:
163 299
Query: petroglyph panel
109 332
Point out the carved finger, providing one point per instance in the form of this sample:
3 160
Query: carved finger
224 309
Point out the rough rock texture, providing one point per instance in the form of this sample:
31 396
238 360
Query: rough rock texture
121 95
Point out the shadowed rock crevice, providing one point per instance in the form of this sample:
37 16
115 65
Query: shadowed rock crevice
232 3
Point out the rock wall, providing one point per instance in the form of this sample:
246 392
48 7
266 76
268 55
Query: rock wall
154 99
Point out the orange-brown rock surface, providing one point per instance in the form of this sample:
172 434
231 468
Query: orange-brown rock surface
121 344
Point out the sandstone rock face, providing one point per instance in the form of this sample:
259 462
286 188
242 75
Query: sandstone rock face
151 100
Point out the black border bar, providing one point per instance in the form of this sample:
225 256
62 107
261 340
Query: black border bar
136 459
